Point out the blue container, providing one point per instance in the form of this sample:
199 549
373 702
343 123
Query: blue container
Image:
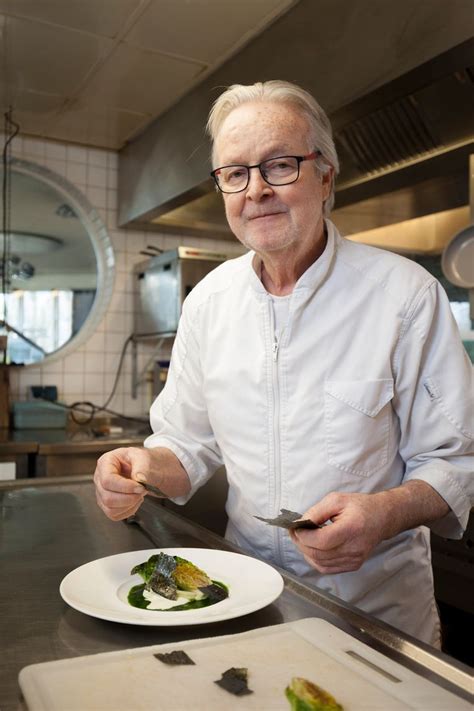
38 415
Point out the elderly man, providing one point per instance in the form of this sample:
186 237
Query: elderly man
328 377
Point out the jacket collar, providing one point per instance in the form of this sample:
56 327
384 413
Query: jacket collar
312 278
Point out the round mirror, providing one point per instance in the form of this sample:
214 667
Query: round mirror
56 266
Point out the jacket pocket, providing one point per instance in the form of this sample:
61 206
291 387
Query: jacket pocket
357 419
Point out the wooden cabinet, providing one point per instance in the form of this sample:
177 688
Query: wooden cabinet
17 459
52 453
76 458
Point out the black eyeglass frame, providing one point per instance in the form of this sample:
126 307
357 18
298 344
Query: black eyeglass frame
299 159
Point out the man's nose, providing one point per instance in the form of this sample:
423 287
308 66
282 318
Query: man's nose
257 187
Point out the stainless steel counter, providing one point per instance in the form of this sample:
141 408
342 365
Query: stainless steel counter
49 527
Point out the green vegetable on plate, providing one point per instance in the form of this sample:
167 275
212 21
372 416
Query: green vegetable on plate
173 577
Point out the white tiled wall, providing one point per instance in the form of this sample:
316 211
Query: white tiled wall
89 372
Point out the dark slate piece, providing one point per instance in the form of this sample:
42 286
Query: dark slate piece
215 592
161 581
289 520
234 680
174 658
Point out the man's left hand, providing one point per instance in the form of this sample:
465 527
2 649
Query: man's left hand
358 525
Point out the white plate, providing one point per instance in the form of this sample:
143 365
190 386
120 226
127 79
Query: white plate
100 588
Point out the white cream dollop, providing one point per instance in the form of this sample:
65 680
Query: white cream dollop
158 602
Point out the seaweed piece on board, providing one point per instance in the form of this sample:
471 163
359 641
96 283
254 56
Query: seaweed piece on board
290 520
234 680
174 658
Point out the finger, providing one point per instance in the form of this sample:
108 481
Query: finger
326 509
317 539
110 476
120 507
112 495
340 560
111 492
126 513
154 494
323 557
120 485
140 464
332 569
112 500
328 538
341 556
122 514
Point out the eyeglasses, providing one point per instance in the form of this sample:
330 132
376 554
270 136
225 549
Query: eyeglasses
282 170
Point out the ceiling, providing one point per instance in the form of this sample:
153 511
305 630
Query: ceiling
397 80
139 76
96 72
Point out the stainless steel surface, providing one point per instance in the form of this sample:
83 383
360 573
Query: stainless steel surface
163 283
50 528
405 134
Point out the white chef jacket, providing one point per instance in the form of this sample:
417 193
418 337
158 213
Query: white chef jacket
368 386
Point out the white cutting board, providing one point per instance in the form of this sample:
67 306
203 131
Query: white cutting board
360 678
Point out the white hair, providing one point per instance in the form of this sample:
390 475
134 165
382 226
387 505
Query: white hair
284 92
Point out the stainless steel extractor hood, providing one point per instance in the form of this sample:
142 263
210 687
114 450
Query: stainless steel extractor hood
404 146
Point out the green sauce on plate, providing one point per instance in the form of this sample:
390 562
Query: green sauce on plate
136 599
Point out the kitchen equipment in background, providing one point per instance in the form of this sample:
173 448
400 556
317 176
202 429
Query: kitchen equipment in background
43 392
38 414
457 263
160 374
163 282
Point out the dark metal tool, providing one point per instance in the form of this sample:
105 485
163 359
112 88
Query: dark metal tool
153 490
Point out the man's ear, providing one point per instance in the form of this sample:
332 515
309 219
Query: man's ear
326 182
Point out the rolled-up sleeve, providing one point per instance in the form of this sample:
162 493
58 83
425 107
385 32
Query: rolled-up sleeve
178 416
434 404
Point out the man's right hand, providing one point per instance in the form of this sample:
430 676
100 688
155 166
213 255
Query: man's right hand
119 472
116 480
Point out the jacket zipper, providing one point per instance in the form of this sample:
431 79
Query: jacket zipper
275 349
276 434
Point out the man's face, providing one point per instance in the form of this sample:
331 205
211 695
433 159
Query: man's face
263 217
